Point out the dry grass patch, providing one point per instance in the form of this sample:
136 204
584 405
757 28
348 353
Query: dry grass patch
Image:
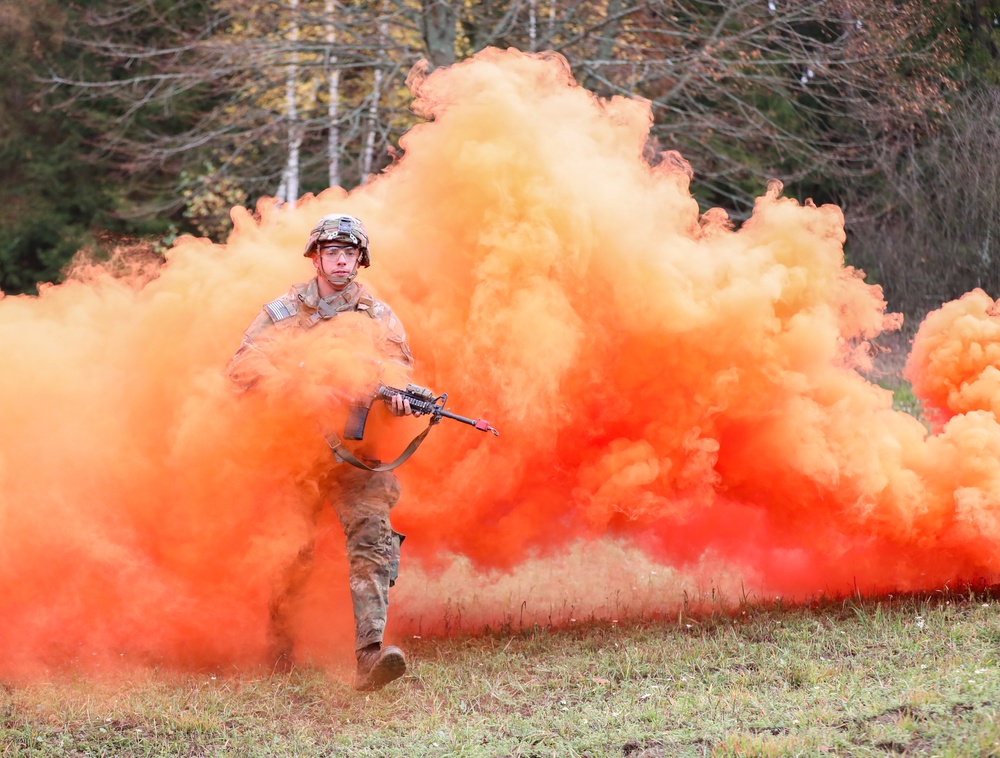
903 675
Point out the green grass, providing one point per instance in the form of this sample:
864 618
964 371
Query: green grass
903 675
887 372
904 400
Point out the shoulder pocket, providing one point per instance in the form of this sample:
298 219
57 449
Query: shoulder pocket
278 310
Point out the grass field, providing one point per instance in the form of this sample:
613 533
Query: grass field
904 675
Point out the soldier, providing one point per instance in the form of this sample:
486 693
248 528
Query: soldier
338 245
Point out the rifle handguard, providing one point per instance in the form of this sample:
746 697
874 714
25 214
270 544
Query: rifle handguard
422 401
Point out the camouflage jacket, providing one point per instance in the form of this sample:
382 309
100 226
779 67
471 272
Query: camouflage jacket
303 307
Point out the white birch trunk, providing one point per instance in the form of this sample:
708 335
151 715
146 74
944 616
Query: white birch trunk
368 158
290 178
532 25
333 112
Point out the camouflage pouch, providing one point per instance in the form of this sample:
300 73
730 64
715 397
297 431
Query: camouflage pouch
397 541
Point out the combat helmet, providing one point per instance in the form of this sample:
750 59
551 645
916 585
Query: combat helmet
340 226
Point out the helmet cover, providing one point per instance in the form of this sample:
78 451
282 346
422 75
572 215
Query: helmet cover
343 228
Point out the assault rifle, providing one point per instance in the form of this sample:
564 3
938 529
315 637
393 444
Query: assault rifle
422 402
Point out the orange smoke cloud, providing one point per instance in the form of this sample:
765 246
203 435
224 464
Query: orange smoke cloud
668 390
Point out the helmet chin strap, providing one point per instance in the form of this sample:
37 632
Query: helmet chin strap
338 281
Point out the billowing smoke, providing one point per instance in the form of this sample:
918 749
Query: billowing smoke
676 399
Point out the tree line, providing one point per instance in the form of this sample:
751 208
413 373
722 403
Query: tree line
144 119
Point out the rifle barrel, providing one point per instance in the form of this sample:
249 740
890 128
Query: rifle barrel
455 416
480 423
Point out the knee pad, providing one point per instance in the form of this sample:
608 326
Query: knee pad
383 486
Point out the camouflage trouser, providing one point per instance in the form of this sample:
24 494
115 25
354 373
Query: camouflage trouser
362 500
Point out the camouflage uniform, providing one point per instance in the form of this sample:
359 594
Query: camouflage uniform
361 498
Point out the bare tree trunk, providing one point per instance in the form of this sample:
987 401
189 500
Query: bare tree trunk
368 158
333 111
290 177
607 46
532 25
439 24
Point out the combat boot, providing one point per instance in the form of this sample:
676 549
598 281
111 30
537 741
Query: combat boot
377 666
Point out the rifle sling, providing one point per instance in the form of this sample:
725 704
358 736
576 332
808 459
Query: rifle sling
348 457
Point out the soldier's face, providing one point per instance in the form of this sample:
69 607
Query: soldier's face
335 261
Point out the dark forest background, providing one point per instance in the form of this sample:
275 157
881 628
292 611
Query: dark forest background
142 120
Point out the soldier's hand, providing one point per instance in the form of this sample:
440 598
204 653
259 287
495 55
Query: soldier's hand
400 406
